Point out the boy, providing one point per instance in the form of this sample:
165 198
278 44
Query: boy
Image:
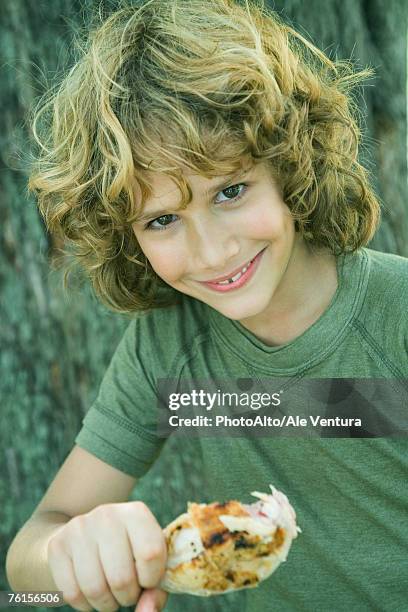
203 163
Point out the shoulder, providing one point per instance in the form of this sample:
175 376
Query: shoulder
383 316
177 323
387 271
387 283
165 335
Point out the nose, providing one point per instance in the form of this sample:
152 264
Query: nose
214 246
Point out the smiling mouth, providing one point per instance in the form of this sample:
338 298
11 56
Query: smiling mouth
237 278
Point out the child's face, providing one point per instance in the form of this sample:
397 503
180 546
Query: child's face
228 223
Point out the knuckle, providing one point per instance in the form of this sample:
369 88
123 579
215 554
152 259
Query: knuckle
95 591
104 510
75 599
105 516
128 600
55 546
72 597
139 507
121 583
77 524
104 602
107 605
154 552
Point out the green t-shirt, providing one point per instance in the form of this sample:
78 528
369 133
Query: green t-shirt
350 494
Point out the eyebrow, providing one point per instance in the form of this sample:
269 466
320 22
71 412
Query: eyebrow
224 184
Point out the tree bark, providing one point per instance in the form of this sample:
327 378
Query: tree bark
55 347
370 33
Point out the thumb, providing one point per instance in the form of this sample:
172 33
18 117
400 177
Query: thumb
151 600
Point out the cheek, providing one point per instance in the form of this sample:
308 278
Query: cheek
270 223
166 258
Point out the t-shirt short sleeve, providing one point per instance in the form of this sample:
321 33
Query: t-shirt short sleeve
120 426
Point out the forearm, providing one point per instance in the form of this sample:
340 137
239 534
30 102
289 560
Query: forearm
26 564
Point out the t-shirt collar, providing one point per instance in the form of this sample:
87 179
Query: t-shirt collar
321 338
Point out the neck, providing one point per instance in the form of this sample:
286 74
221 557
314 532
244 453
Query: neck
305 292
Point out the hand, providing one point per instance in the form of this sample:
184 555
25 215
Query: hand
151 600
103 559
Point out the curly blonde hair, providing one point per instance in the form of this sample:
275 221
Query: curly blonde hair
204 85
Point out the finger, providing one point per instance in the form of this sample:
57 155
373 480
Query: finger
148 544
91 578
120 568
62 571
152 600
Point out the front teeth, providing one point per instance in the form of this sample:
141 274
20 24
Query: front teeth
234 278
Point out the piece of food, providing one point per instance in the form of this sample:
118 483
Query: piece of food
216 548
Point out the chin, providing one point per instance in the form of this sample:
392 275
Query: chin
238 312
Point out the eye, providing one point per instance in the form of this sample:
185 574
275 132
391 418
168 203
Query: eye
231 193
161 222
